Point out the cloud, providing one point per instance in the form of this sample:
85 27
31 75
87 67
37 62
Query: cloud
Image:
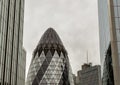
76 22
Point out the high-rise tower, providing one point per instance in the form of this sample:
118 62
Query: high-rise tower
50 63
109 24
12 54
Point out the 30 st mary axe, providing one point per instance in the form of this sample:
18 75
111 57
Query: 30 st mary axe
50 63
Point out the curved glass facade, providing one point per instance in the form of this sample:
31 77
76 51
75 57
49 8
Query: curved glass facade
50 63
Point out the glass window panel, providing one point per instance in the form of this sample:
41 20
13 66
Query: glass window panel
115 12
118 11
118 34
119 59
114 2
118 45
118 2
116 23
119 23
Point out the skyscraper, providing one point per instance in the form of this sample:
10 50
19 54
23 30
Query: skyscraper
50 63
109 25
12 54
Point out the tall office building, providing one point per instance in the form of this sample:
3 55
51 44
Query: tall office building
50 63
109 25
89 75
12 54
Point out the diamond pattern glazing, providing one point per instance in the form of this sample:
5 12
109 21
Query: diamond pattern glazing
50 63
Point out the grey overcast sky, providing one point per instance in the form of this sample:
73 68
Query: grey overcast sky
76 22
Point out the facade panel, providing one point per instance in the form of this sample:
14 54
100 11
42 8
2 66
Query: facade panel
10 45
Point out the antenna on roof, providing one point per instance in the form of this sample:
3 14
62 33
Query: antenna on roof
87 56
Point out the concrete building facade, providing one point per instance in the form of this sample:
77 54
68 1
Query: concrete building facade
89 75
12 54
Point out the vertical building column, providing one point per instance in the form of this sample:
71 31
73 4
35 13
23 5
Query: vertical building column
5 43
19 47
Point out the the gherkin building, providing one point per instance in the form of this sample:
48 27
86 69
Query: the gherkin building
50 64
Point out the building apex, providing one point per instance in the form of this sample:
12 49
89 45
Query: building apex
50 40
50 37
